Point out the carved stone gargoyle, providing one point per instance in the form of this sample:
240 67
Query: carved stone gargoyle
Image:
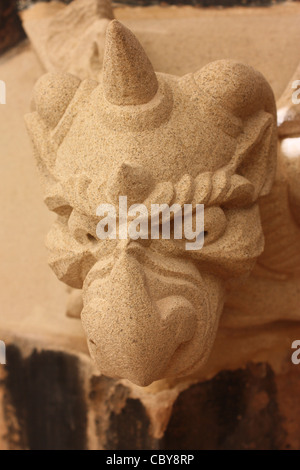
151 308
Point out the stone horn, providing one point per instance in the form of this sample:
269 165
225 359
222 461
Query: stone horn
128 75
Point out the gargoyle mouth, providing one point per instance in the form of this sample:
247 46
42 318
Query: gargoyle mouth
149 316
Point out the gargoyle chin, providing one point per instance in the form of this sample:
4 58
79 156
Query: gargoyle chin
151 308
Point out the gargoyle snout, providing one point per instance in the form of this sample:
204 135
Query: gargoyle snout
134 330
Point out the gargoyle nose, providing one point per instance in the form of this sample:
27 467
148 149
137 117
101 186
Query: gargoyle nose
129 333
131 181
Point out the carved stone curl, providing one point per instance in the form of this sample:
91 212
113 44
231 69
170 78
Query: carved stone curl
151 308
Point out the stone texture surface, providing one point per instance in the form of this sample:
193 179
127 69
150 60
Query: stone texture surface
39 301
140 325
78 28
144 330
161 31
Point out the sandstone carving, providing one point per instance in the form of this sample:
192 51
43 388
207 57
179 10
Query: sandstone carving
72 39
151 308
272 293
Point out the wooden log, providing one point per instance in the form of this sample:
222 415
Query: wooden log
11 31
51 400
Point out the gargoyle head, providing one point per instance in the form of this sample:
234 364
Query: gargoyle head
151 308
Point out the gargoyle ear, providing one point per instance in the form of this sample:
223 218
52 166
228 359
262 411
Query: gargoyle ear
51 96
245 94
255 157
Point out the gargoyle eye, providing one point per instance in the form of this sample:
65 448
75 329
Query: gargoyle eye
91 238
81 228
64 211
214 224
